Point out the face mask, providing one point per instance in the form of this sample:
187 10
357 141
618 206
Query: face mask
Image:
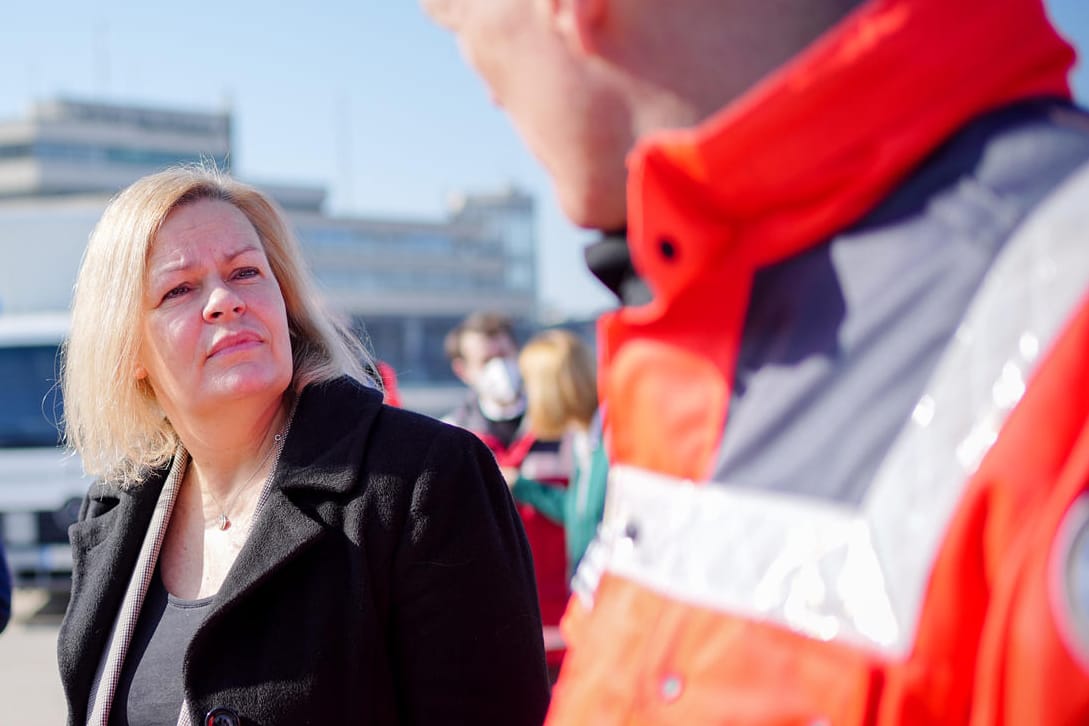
499 382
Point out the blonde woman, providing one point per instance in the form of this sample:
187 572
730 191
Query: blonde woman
268 543
561 401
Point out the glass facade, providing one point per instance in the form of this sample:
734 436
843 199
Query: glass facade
484 250
488 246
30 402
411 345
97 154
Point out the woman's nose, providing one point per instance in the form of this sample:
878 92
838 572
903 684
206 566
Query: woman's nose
222 300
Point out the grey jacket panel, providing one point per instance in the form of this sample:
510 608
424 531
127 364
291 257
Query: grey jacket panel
840 340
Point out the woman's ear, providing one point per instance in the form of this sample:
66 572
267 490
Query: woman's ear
139 372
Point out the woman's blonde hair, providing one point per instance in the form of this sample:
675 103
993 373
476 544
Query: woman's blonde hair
110 417
558 371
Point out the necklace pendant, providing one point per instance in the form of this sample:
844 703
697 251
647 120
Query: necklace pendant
224 523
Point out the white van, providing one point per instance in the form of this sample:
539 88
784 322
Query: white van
41 484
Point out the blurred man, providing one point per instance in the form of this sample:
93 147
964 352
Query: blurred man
849 431
484 356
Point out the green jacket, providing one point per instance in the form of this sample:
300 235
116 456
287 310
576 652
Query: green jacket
577 508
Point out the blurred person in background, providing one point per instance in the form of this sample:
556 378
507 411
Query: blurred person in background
267 542
390 389
561 403
849 432
483 354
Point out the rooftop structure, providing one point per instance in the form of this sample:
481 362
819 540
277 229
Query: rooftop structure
77 147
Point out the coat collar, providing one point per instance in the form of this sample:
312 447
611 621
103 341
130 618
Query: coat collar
319 457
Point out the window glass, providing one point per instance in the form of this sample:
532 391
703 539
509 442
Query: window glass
30 401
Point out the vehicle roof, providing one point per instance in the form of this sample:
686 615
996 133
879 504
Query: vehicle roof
33 329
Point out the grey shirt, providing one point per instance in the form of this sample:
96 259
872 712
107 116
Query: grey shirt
150 690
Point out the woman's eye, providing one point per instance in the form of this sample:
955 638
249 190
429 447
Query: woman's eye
246 272
177 291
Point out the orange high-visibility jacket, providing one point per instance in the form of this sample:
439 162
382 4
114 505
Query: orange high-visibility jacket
950 595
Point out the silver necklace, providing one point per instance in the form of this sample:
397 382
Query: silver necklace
223 521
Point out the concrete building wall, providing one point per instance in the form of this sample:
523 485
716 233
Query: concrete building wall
41 244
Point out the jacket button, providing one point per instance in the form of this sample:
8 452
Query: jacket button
220 716
671 688
668 248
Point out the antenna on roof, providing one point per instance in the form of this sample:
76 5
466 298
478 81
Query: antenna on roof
343 150
102 58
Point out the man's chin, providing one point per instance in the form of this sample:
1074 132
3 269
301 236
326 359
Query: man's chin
593 211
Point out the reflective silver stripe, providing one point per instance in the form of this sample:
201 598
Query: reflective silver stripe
859 575
592 565
807 564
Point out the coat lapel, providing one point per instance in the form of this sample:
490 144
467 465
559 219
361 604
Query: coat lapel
279 535
103 557
321 460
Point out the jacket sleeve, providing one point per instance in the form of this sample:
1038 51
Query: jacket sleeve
467 629
546 499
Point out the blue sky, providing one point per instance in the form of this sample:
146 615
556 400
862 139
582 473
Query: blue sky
365 97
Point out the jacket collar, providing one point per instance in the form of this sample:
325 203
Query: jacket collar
815 145
804 154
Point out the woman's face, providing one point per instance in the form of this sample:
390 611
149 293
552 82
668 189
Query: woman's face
214 326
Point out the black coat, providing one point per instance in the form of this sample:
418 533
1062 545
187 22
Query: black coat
387 581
